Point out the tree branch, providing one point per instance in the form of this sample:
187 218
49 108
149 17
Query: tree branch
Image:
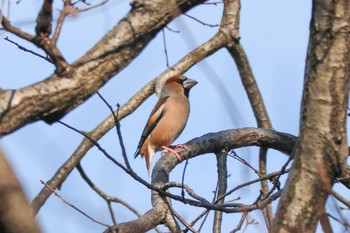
230 27
320 154
221 161
209 143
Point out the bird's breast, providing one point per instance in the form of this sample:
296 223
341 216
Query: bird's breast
172 123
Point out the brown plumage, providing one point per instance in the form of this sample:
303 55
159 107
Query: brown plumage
167 119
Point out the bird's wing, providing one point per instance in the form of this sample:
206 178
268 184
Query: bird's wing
155 116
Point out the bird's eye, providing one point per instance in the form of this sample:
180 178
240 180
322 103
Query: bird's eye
180 81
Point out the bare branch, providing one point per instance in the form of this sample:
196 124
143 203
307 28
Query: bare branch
73 206
93 6
178 216
106 197
200 21
16 31
63 14
117 127
221 164
230 26
28 50
241 221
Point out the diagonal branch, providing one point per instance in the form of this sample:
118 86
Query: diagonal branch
230 27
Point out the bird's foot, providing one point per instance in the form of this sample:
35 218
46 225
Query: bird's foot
169 149
182 146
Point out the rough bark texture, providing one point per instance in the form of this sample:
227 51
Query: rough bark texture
60 93
322 148
16 215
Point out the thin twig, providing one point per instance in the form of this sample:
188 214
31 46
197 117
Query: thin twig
110 209
283 170
172 30
199 21
241 221
206 212
74 207
28 50
345 224
183 178
268 176
63 14
214 3
165 49
188 226
233 154
93 6
117 127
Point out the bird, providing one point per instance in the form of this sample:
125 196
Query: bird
44 20
167 119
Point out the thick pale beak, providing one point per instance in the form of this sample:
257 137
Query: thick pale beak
189 83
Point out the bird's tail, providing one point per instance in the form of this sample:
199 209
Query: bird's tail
137 152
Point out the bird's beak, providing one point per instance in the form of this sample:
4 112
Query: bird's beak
189 83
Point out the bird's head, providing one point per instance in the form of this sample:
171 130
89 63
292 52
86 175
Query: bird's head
178 84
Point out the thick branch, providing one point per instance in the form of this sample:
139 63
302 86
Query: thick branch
321 153
209 143
57 95
16 215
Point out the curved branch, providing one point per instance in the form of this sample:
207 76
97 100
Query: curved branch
209 143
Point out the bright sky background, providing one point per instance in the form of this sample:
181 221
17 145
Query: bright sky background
274 34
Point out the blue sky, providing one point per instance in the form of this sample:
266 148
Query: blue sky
274 34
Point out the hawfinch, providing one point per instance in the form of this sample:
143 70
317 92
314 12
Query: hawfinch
167 119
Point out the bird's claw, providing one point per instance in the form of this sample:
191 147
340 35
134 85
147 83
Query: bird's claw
170 150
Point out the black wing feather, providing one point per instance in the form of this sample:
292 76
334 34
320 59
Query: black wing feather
148 129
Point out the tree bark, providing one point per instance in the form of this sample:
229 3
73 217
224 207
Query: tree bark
16 215
321 151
